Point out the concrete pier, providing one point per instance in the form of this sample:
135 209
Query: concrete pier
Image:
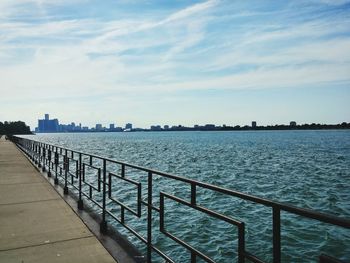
36 224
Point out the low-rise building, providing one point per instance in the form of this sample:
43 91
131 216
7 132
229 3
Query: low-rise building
128 126
292 124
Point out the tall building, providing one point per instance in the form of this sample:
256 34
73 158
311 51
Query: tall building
98 127
47 125
128 126
111 126
253 124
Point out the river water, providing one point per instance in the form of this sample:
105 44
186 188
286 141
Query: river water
309 169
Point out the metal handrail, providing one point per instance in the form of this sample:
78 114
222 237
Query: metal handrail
42 153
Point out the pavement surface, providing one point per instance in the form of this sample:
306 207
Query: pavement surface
36 224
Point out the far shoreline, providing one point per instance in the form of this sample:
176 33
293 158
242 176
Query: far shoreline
202 130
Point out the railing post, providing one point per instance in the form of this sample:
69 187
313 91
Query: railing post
56 166
194 203
193 194
122 212
35 153
276 231
32 151
149 218
123 171
44 158
49 161
193 257
27 144
29 149
241 243
65 165
103 225
80 201
39 156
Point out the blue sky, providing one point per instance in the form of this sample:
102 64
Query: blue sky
175 62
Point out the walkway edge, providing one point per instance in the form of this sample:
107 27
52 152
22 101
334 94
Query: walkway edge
115 243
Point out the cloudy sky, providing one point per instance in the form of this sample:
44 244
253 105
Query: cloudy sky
175 62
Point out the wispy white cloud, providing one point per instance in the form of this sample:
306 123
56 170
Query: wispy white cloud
330 52
191 11
334 2
212 45
20 9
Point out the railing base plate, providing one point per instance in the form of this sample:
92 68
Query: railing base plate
80 205
103 227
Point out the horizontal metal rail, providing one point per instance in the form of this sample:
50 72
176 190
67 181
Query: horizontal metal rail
60 162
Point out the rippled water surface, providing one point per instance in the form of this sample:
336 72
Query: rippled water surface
310 169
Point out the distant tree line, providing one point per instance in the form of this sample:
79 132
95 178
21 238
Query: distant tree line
15 127
312 126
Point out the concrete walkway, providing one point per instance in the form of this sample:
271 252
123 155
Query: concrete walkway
36 224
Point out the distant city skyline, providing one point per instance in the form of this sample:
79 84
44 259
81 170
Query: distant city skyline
175 62
48 125
54 125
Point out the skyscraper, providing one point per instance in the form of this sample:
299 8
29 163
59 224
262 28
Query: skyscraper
47 125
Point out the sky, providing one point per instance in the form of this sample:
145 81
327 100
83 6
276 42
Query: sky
175 62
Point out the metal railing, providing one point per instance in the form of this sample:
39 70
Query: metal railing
70 167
